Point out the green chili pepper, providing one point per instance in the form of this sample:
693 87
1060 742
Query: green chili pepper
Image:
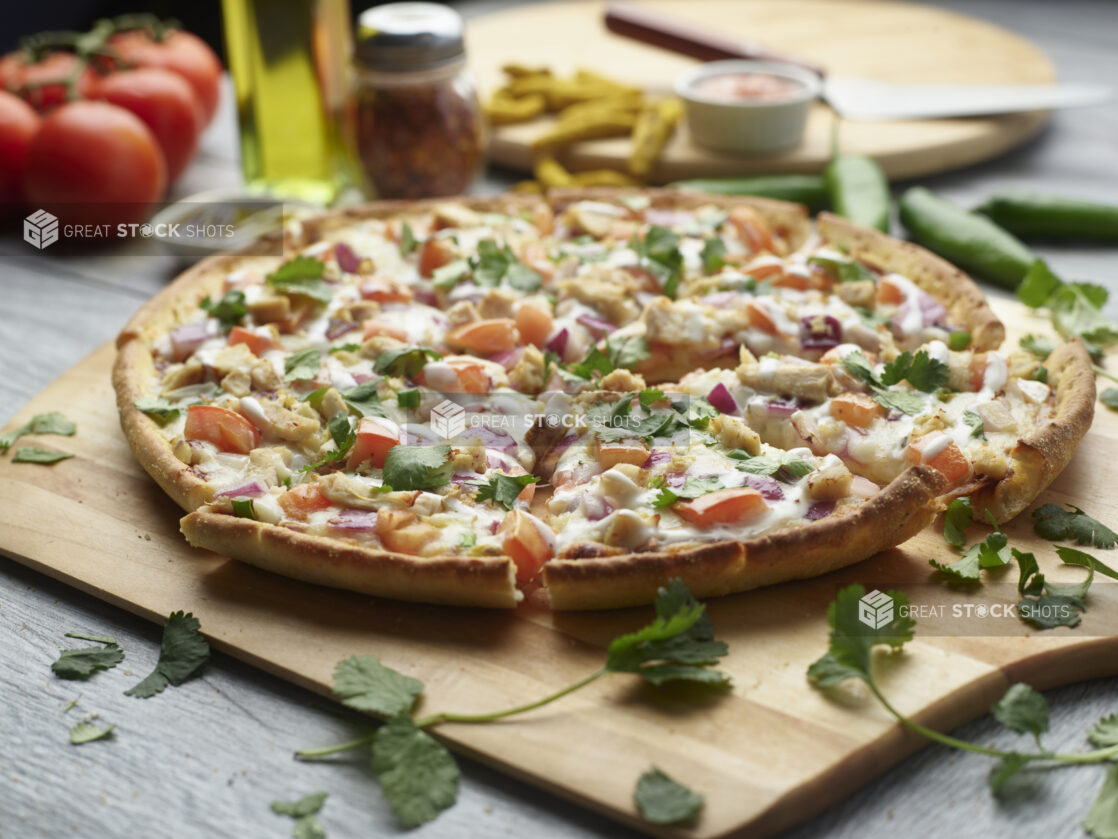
1033 214
802 189
859 190
971 241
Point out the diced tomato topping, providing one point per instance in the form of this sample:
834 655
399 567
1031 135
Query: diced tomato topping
949 461
525 544
469 377
889 292
226 429
301 311
433 254
759 319
384 290
977 369
796 281
258 344
374 439
856 409
752 229
486 337
380 327
534 323
299 502
724 506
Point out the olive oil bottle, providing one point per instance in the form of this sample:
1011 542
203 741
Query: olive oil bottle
291 61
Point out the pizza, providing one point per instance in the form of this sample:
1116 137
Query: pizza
578 398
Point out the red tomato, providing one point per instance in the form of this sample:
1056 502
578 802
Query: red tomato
724 506
29 81
167 105
88 152
18 124
374 439
182 53
525 544
258 344
299 502
434 254
226 429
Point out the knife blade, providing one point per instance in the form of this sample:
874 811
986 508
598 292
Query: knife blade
858 99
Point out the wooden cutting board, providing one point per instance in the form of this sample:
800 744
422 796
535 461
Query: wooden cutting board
768 754
876 39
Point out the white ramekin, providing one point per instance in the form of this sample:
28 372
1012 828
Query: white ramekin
748 127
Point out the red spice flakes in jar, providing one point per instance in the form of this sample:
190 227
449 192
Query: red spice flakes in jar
420 130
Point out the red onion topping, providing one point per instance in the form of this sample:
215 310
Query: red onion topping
186 339
768 487
356 521
819 510
558 342
347 259
337 327
251 490
720 398
599 327
820 332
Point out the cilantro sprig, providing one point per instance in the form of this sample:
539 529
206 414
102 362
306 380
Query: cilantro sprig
493 265
1056 524
417 467
659 253
50 423
305 813
850 655
504 489
182 653
229 310
303 276
1076 309
419 776
83 662
921 370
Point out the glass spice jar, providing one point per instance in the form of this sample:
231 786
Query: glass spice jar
420 129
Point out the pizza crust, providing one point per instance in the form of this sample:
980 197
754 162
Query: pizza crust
1043 453
900 511
964 301
488 582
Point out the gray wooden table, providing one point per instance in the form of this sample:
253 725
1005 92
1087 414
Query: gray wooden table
205 759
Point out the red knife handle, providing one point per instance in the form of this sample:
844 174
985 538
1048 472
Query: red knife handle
666 33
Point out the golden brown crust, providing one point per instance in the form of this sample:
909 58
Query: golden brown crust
900 511
1044 452
964 301
487 582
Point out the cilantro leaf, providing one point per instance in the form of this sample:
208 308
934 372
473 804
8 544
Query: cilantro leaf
713 254
1038 345
34 454
158 408
301 366
1070 556
785 467
956 520
87 732
1022 709
83 662
344 348
50 423
1005 769
1102 819
1053 522
183 652
595 362
229 310
1030 581
678 645
504 489
1038 285
659 252
364 684
418 776
628 352
447 276
1109 398
978 427
1076 310
364 399
650 396
301 275
850 654
404 361
1105 732
308 805
408 242
408 398
858 366
896 369
843 271
662 800
614 429
417 467
496 264
899 400
922 371
692 488
1049 610
992 552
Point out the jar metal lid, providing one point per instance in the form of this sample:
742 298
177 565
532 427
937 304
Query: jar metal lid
409 36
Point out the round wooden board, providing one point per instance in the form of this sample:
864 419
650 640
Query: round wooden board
886 41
